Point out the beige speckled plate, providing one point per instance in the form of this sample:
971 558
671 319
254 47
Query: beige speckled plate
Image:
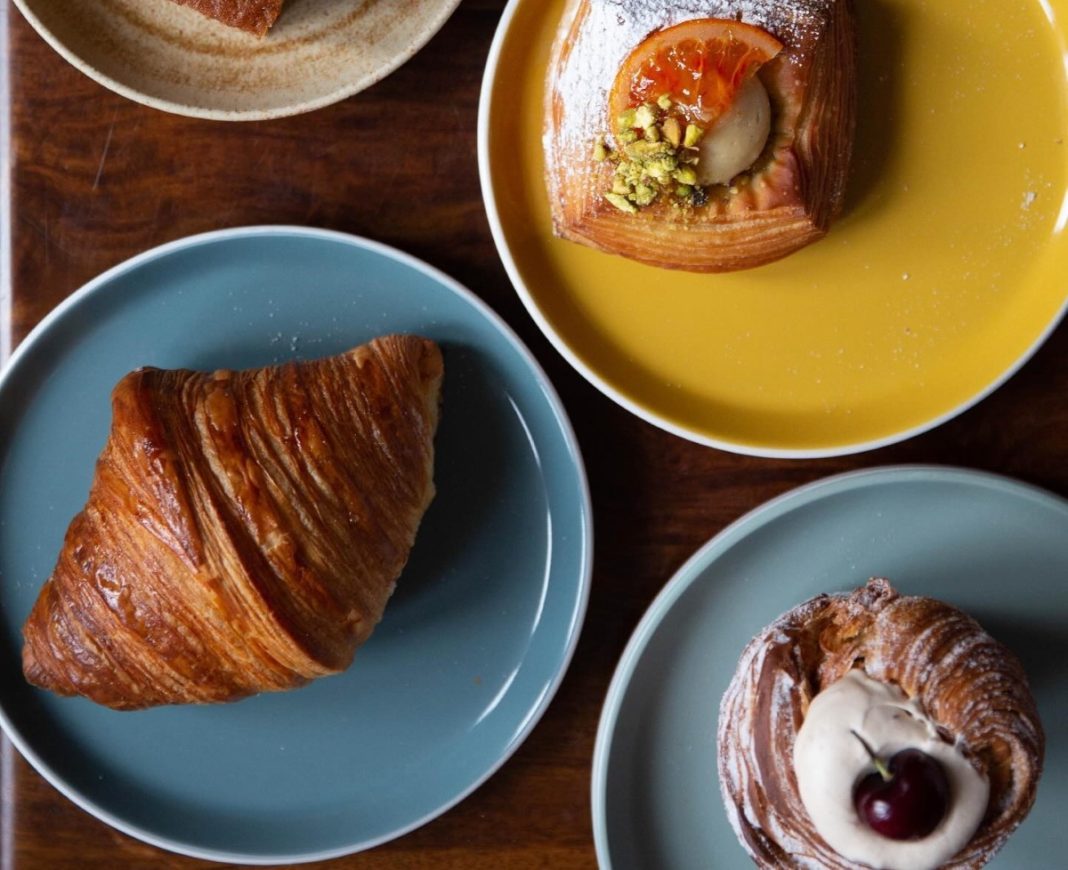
170 57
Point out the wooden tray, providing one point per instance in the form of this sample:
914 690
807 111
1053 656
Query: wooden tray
95 178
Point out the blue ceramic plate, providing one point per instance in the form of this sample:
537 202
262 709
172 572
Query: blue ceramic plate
475 640
994 547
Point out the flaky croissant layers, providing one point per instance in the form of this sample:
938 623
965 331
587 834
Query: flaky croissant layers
970 685
244 530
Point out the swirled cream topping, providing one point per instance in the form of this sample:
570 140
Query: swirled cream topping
828 760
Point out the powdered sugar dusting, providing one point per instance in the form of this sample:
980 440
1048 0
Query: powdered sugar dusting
610 29
797 184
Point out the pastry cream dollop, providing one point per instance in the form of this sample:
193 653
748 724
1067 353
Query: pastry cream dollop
736 140
828 760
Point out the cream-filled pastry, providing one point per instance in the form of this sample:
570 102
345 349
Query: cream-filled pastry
707 135
878 730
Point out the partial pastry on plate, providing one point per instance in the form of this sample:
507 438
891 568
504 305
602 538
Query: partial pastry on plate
707 135
873 729
244 530
253 16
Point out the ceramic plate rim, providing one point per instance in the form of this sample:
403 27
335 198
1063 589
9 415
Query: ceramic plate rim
448 7
574 630
648 415
707 553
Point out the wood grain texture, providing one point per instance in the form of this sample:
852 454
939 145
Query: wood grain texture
96 179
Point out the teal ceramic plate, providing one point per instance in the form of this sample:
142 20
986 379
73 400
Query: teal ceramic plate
994 547
475 640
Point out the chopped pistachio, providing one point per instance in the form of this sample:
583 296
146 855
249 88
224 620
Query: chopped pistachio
672 131
644 194
661 168
644 116
685 175
693 135
644 148
621 202
629 173
653 158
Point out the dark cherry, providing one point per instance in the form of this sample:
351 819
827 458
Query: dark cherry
904 798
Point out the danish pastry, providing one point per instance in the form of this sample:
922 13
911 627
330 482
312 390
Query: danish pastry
707 135
830 696
244 530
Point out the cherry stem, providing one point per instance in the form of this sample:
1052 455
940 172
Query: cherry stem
880 766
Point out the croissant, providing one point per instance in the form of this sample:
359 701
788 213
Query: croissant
244 530
253 16
971 686
641 199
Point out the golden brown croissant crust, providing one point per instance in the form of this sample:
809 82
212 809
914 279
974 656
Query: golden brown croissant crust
244 530
253 16
789 197
968 683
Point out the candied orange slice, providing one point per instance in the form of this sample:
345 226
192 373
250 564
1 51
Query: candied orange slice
701 65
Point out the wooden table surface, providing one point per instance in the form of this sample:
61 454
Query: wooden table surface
95 178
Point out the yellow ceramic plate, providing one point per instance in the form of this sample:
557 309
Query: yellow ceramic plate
947 270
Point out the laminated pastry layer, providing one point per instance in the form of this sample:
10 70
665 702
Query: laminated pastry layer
244 530
968 683
793 191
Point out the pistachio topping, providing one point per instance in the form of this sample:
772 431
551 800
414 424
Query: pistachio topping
672 131
686 175
654 158
645 116
622 203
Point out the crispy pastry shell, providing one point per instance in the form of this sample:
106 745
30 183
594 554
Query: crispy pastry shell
244 530
794 190
970 685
